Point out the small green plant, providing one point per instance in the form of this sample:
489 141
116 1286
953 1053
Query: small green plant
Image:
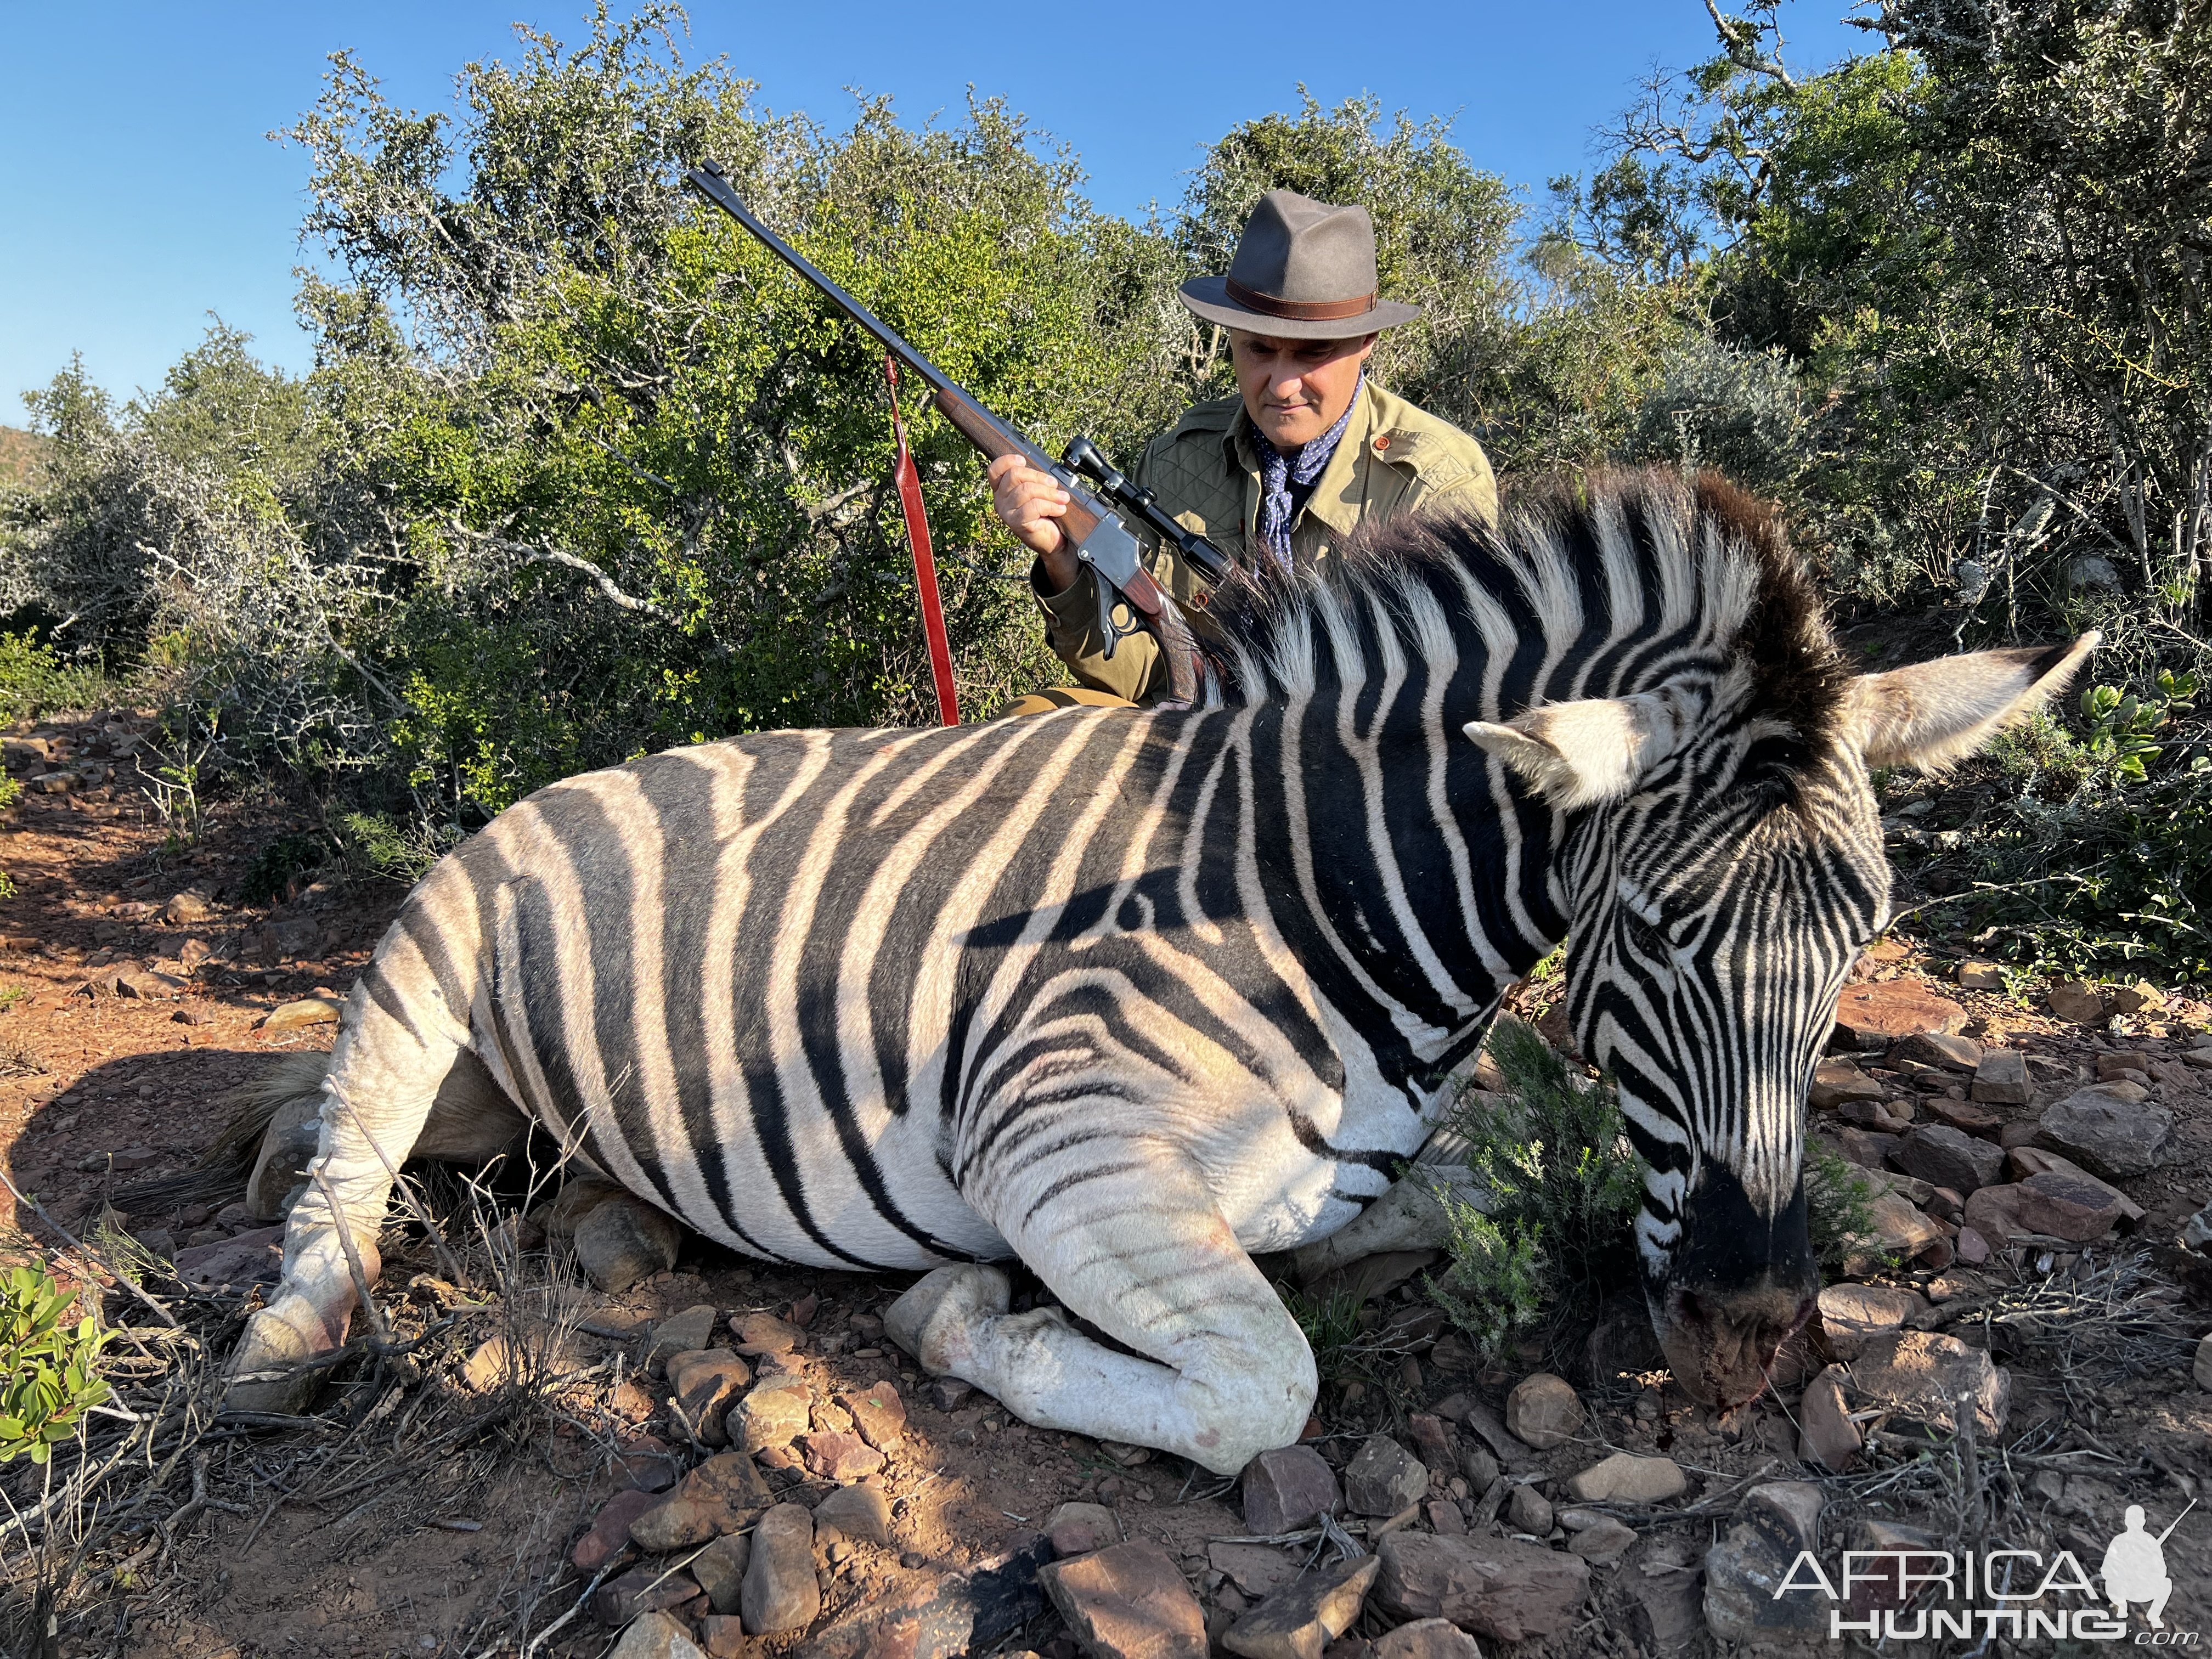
1497 1283
1331 1324
49 1370
7 885
1562 1185
2123 729
276 865
10 793
370 846
1839 1209
12 996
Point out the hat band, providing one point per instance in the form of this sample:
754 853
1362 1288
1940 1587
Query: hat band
1298 311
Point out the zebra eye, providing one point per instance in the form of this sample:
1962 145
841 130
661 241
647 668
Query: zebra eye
1649 938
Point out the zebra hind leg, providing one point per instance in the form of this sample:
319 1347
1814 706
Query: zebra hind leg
385 1076
1144 1255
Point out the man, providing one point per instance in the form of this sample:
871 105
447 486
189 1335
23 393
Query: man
1284 472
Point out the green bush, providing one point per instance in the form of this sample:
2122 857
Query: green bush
1562 1184
34 680
2087 853
49 1370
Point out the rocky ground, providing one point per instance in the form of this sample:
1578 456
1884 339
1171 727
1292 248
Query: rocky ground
725 1456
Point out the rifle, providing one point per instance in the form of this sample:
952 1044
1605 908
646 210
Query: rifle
1100 534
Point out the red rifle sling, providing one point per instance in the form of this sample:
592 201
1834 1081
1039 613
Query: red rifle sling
924 563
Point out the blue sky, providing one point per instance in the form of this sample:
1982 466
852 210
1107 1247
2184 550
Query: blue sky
138 191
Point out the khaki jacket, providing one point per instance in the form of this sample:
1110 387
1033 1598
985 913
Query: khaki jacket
1392 457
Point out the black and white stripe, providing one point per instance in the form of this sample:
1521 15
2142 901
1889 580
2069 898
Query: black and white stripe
892 999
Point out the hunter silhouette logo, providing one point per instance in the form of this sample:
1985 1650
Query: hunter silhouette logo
2134 1567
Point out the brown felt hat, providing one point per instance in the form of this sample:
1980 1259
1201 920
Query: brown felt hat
1304 271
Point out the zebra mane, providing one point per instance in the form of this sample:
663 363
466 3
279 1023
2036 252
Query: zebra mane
1622 577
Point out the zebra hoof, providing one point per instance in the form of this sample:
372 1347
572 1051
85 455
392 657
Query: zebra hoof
265 1375
935 1320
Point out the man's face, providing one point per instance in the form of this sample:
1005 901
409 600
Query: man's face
1295 390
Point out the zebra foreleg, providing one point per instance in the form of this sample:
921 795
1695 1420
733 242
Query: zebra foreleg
1146 1255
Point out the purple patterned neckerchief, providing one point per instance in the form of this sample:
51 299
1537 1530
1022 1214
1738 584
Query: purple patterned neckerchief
1280 473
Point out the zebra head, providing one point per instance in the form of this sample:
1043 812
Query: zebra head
1722 867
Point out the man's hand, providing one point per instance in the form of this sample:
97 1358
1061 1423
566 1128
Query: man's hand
1031 503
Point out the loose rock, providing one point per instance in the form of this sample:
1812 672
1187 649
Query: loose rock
2077 1000
1850 1314
1529 1511
723 1494
1746 1570
860 1513
1496 1587
656 1636
2202 1369
307 1011
840 1457
1300 1620
2107 1132
1383 1478
1953 1054
610 1531
1993 1213
680 1333
493 1363
1968 1116
1839 1079
1981 976
2074 1207
1127 1603
2137 997
1921 1373
879 1413
2002 1078
1899 1227
642 1590
764 1333
774 1414
1946 1157
1433 1441
1874 1014
1424 1639
624 1240
1285 1489
1608 1540
780 1591
721 1569
1625 1478
705 1385
1543 1411
1080 1528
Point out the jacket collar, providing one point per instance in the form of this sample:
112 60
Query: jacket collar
1338 492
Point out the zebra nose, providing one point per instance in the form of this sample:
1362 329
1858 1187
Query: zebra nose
1721 1343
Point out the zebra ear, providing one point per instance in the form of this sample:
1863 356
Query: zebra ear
1931 713
1580 754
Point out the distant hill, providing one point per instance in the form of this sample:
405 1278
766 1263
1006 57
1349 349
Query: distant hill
19 454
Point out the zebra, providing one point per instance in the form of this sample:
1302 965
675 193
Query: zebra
1133 996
